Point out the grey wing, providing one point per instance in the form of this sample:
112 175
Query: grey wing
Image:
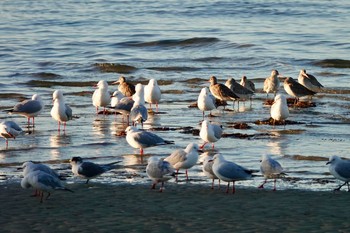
125 105
48 170
28 106
276 167
314 81
139 111
165 167
69 112
49 180
233 171
148 139
177 156
217 130
14 126
343 169
89 169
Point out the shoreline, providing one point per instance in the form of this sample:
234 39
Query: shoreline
190 208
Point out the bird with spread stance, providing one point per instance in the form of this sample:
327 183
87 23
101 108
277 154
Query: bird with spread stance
279 109
220 91
272 83
184 158
229 171
28 108
60 111
210 133
126 88
9 129
206 101
270 169
295 89
152 93
43 182
309 81
159 171
89 170
142 139
101 96
340 169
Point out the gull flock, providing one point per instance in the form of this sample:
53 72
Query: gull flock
130 100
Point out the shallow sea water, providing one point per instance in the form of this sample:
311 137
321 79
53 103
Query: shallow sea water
71 45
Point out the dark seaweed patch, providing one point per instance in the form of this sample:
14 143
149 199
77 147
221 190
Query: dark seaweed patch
115 68
334 63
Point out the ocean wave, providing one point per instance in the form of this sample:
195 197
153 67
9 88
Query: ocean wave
334 63
173 68
195 41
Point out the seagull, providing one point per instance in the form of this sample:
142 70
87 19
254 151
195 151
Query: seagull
124 107
270 168
60 111
242 92
159 170
116 97
43 182
184 159
152 93
220 91
101 96
272 83
309 81
340 169
247 84
279 109
295 89
9 129
29 166
205 101
138 112
142 139
28 108
210 133
229 171
89 170
208 170
127 89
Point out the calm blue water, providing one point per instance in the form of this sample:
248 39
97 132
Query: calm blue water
52 45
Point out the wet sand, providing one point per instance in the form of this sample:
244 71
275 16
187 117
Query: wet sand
180 208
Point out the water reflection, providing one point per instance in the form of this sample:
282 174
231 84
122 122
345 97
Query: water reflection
101 126
279 144
56 142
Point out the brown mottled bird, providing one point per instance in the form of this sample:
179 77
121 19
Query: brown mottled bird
126 88
272 83
295 89
220 91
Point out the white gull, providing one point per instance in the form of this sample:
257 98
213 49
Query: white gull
60 111
184 158
159 171
229 171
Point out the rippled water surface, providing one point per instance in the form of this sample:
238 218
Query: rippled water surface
71 45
